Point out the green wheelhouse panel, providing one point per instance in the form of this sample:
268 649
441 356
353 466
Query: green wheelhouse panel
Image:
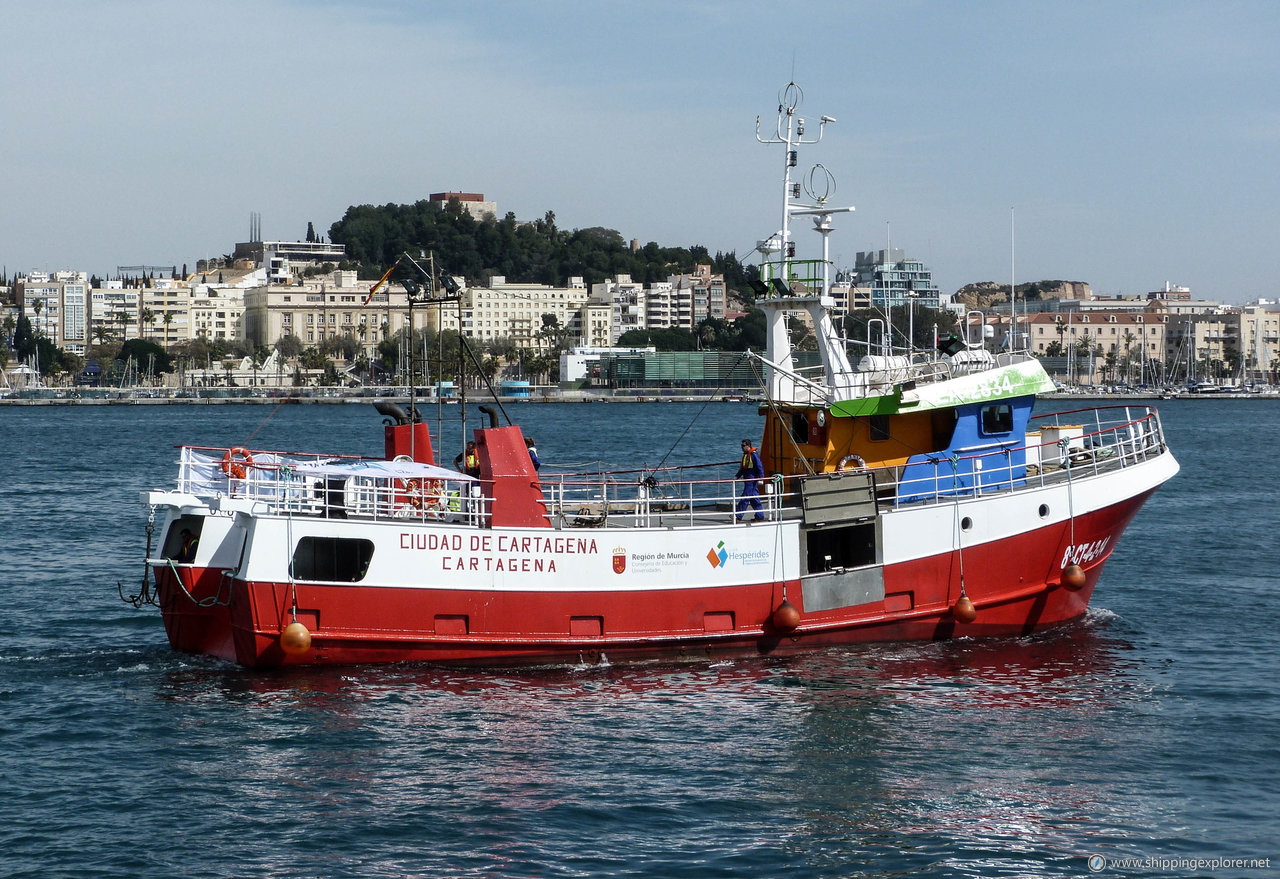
1004 382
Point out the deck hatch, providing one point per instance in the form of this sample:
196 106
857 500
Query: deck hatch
838 497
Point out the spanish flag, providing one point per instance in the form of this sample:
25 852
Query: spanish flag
381 281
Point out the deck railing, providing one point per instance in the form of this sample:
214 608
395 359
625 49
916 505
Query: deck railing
1081 443
287 483
660 498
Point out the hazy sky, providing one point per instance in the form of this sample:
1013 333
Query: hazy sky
1137 142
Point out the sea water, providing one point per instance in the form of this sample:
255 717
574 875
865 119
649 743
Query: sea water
1144 735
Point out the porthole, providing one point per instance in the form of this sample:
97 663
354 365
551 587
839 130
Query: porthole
1044 511
966 524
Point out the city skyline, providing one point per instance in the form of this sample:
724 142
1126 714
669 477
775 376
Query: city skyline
1129 144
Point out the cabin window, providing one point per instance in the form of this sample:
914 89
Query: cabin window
878 427
335 559
800 427
997 419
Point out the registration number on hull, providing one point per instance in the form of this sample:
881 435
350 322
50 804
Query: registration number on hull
1084 553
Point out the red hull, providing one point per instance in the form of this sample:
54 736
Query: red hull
1017 592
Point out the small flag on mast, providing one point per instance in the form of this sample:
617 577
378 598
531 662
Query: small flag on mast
381 281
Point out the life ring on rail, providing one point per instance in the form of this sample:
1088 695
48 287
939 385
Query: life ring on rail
851 462
235 462
409 491
433 499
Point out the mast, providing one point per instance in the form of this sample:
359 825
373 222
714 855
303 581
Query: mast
780 275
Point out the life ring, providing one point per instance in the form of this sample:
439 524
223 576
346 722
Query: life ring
851 462
235 462
410 490
434 499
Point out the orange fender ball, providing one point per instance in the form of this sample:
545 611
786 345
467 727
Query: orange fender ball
786 617
1073 577
964 611
295 639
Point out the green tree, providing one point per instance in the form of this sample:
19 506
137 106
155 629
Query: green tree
23 338
554 336
289 346
142 350
672 339
311 358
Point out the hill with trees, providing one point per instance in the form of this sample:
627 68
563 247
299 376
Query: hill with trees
534 252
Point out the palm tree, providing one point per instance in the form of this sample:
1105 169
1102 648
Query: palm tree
148 317
167 317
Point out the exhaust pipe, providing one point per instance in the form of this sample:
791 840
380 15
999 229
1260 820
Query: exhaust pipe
392 411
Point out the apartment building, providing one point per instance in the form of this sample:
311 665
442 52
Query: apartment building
503 310
681 301
625 299
57 307
895 278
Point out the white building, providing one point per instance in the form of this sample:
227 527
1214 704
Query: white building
516 311
681 301
325 307
626 301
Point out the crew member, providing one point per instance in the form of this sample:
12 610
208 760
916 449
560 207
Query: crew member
751 471
468 462
187 551
533 453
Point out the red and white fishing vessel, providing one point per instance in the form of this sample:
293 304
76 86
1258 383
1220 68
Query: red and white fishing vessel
906 495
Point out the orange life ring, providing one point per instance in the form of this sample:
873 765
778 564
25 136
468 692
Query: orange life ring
435 499
409 491
235 462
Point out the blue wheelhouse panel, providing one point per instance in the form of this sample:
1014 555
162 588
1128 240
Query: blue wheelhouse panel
987 450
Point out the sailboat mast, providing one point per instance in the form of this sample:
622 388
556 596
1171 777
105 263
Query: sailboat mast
1013 288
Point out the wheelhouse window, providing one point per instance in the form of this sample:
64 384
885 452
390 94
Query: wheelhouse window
799 428
997 419
878 427
335 559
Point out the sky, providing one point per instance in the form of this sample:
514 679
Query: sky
1123 144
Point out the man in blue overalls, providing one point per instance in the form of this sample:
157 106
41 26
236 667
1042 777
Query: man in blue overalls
752 471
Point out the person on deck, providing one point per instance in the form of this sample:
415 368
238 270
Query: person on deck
751 471
533 453
187 551
468 462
